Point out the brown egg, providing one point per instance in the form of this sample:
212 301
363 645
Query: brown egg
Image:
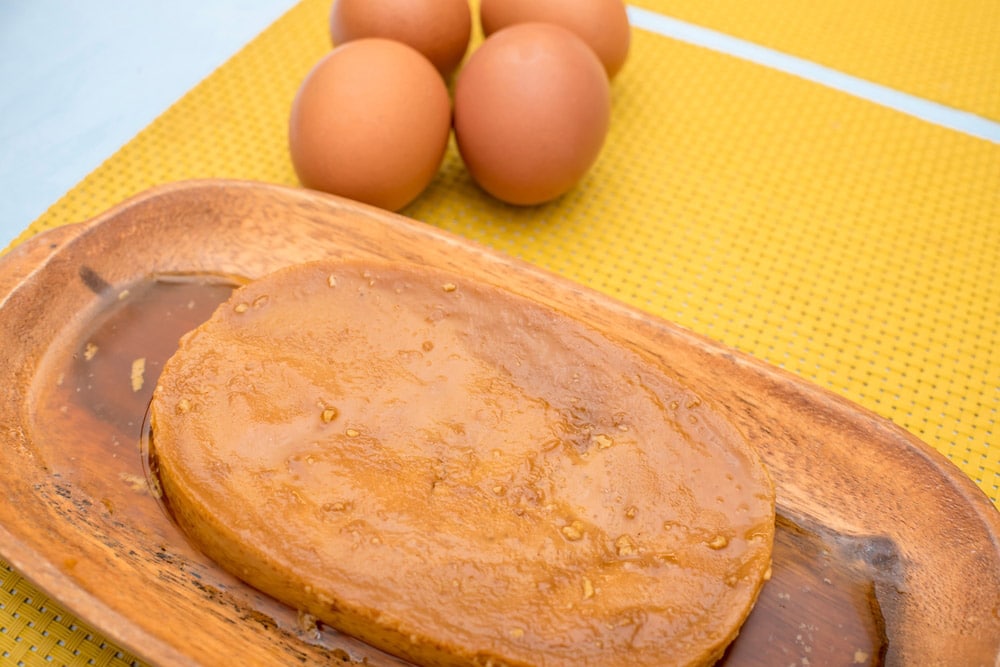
532 108
603 24
439 29
370 122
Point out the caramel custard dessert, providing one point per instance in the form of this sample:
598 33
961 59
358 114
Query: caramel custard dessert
458 475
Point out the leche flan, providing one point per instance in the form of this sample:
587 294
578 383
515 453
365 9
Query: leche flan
459 475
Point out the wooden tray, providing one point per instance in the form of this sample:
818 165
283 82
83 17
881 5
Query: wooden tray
885 551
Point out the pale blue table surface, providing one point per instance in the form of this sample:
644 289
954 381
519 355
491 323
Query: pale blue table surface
79 79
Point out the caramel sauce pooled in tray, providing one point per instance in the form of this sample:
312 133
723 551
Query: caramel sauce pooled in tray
820 604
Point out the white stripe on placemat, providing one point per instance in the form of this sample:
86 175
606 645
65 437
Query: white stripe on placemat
933 112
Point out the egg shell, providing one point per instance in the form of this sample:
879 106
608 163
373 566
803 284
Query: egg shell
603 24
439 29
532 109
370 122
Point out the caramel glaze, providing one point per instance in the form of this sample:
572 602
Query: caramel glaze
460 476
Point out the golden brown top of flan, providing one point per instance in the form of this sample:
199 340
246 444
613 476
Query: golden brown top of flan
459 475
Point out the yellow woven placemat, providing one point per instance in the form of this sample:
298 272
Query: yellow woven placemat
848 243
947 51
34 630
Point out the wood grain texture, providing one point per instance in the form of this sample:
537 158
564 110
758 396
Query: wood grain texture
77 517
24 258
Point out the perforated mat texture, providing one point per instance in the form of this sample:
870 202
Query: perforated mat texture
948 52
848 243
34 630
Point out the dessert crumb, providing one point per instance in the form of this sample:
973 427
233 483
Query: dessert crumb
138 372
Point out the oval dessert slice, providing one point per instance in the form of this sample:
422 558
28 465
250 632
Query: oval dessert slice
458 475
